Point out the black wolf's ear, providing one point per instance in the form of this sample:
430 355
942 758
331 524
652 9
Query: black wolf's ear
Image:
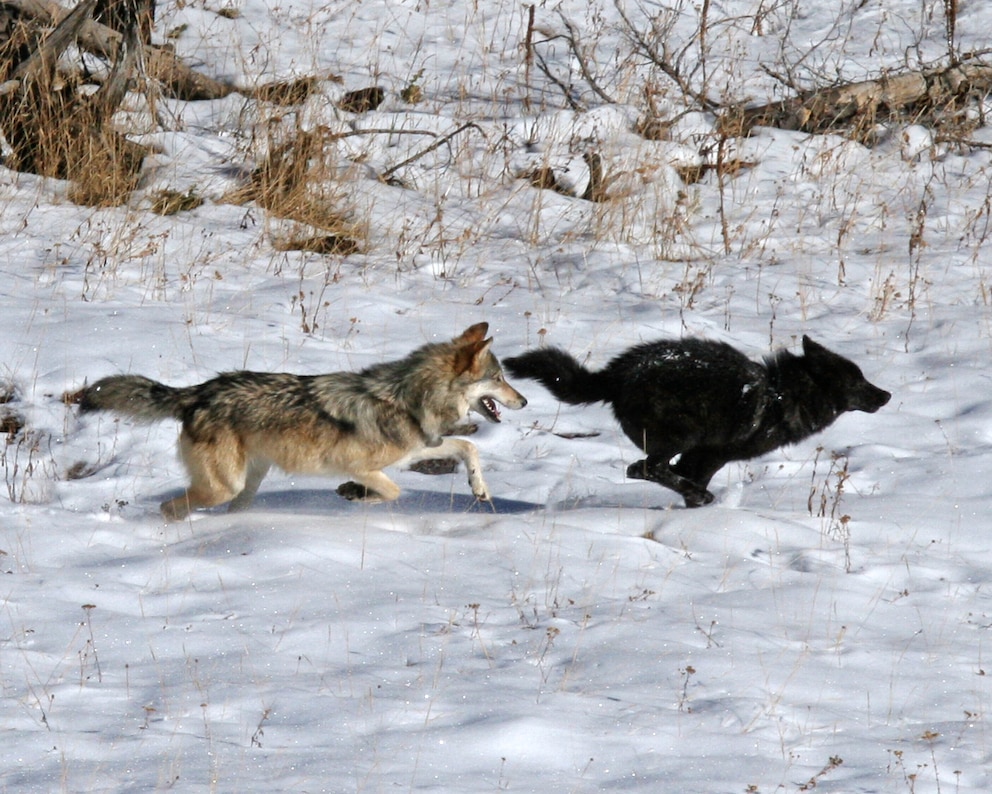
474 333
469 356
811 347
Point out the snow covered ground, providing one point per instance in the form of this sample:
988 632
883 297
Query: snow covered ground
822 625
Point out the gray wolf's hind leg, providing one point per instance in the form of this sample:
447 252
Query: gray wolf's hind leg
377 487
216 476
371 486
356 492
657 469
257 469
194 497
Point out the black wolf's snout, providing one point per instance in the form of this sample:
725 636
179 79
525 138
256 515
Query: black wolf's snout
870 398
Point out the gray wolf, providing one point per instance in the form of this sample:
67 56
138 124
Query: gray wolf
707 403
237 425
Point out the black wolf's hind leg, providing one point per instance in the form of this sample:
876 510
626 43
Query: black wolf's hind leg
656 469
698 467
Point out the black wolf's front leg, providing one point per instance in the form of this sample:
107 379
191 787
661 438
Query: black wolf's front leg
699 465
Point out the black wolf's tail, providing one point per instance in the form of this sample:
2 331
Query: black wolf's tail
562 375
133 395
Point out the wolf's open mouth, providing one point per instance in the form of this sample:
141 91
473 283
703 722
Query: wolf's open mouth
490 409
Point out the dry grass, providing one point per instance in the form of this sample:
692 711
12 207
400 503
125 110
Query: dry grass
298 181
11 423
54 134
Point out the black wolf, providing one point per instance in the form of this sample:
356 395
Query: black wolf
706 402
235 426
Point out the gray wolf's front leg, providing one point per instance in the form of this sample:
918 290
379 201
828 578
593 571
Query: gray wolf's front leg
464 451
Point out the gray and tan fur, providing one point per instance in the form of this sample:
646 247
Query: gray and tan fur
237 425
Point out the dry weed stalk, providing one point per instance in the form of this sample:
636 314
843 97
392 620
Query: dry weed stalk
685 673
834 762
21 458
831 495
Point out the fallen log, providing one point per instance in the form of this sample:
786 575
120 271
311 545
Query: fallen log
53 129
865 102
161 64
54 126
175 78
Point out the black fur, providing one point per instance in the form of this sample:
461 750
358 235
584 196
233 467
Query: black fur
706 402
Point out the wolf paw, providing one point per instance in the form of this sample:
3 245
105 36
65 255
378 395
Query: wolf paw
356 492
176 509
697 498
463 429
638 470
435 466
481 491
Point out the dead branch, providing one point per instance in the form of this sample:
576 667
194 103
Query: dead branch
176 79
573 38
109 96
565 90
93 37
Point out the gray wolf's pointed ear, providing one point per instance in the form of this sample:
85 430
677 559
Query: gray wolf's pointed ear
468 357
809 346
474 333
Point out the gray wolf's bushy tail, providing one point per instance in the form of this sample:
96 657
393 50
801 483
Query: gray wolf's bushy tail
133 395
562 374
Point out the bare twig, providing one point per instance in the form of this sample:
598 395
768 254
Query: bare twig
663 62
573 38
950 25
528 54
566 91
437 144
